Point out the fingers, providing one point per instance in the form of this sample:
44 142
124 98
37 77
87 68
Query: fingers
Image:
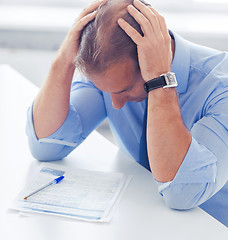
87 15
92 7
162 23
130 31
141 19
86 19
146 12
150 21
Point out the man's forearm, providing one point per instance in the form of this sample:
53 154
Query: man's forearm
51 106
168 139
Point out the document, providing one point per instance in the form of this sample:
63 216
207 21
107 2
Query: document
82 194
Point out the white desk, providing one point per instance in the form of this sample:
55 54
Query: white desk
142 213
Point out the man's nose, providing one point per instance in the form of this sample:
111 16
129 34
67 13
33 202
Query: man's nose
117 101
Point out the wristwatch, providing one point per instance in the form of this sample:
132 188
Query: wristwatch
166 80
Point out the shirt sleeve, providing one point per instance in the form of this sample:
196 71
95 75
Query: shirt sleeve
86 112
204 169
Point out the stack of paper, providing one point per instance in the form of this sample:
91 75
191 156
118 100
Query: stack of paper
82 194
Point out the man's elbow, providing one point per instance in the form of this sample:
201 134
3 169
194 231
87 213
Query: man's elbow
46 152
185 196
42 157
178 204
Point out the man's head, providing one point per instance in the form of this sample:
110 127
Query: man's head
109 57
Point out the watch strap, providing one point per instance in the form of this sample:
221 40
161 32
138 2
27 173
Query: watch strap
155 83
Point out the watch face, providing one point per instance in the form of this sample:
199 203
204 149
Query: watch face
170 80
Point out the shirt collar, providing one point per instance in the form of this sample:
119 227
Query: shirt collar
181 62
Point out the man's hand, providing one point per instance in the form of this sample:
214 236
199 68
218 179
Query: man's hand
154 48
69 46
51 106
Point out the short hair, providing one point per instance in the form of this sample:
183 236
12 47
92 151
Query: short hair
103 43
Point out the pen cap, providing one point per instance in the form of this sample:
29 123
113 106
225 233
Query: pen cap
59 179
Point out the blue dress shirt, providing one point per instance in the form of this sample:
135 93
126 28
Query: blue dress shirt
202 179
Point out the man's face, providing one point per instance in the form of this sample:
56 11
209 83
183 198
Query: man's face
123 82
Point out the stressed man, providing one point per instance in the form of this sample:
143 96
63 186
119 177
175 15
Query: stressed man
166 100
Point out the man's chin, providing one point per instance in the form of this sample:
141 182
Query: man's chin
139 99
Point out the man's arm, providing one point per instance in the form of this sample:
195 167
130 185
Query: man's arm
168 139
51 106
196 161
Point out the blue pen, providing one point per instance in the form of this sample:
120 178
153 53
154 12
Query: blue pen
55 181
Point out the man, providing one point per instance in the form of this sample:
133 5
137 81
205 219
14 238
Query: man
186 125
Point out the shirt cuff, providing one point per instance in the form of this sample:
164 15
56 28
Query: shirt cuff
198 167
68 134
